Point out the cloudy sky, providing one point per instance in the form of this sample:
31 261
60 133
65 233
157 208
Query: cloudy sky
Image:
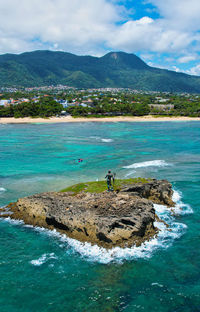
164 33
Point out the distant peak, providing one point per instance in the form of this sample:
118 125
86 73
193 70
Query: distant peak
124 59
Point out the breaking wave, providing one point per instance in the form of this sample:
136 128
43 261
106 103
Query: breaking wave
12 221
94 253
130 173
152 163
2 189
6 211
180 208
107 140
164 239
43 259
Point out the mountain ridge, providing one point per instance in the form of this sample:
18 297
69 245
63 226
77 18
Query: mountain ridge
114 69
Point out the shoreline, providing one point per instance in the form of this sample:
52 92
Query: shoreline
88 213
12 120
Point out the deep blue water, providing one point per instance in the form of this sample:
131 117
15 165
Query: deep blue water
44 271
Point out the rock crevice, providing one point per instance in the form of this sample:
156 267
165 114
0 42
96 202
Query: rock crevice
121 218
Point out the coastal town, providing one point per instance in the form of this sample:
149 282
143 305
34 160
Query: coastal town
104 102
99 156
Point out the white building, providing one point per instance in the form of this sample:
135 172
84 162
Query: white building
4 102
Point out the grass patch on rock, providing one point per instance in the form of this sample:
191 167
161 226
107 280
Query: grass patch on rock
101 186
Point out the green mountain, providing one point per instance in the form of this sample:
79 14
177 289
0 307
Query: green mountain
115 69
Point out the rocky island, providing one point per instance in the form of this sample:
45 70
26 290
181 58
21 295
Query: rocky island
88 213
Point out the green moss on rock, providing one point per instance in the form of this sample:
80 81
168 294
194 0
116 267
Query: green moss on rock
101 186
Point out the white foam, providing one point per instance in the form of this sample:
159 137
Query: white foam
107 140
5 213
2 189
43 259
12 221
176 197
152 163
180 208
94 253
157 284
130 173
164 239
94 137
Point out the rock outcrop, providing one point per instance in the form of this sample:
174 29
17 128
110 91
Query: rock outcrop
109 219
159 191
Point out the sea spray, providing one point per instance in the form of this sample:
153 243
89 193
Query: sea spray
107 140
94 253
180 208
104 140
43 259
152 163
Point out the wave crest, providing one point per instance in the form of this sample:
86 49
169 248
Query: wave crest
94 253
43 259
180 208
107 140
152 163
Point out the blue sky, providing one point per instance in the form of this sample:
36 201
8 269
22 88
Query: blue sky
164 33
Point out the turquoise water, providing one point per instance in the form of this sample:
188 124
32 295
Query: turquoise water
43 271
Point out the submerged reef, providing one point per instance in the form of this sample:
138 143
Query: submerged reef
88 213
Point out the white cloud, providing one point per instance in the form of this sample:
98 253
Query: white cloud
147 56
144 21
95 26
194 70
176 31
176 69
187 58
180 14
69 24
147 34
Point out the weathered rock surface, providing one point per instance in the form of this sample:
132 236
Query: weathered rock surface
159 191
112 219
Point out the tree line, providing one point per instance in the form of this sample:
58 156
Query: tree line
45 107
106 108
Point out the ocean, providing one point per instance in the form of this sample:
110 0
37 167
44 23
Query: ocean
41 270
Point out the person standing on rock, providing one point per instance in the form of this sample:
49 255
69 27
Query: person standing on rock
109 177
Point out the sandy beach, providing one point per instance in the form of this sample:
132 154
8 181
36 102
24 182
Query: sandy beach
13 120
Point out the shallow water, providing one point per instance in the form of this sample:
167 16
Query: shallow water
43 271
